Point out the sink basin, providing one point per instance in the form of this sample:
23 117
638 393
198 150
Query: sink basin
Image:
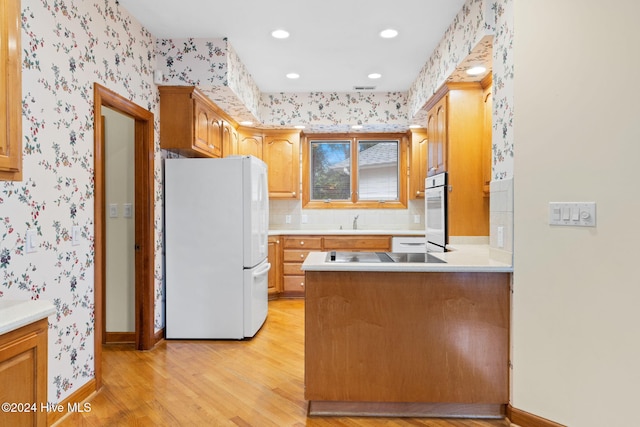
376 257
358 257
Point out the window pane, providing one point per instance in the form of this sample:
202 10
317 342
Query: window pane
330 170
378 170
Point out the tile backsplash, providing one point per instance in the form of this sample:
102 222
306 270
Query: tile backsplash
334 219
501 215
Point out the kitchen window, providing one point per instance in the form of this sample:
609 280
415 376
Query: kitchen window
348 171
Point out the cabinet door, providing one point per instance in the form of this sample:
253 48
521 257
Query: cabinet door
419 161
275 276
250 144
437 138
215 135
10 88
23 373
487 142
201 122
229 139
281 152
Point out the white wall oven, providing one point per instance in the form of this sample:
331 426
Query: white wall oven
436 212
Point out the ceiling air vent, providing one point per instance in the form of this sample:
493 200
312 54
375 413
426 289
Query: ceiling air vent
364 87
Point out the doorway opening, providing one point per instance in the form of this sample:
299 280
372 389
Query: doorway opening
143 217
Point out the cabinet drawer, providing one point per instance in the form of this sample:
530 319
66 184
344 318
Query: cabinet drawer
291 255
294 283
303 242
381 243
292 269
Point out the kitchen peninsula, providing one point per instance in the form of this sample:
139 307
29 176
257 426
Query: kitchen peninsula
414 338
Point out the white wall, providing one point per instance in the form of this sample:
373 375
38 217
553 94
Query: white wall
120 231
577 138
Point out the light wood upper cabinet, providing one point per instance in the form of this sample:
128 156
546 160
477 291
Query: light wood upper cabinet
437 137
468 208
281 153
230 139
419 156
190 124
487 141
250 142
11 90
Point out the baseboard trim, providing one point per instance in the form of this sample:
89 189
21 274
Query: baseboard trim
75 399
525 419
119 337
406 409
159 335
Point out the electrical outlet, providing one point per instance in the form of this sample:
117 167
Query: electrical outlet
304 219
113 210
416 219
501 237
287 219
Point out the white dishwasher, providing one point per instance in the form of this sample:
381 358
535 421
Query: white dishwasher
409 244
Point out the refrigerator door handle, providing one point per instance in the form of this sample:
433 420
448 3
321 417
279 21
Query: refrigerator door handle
263 270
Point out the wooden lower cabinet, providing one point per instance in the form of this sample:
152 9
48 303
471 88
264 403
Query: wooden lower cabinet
294 251
275 275
411 342
23 375
296 248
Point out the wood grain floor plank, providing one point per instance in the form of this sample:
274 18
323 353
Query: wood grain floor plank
248 383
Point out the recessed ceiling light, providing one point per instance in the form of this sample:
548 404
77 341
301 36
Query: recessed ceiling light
293 76
477 70
356 127
280 34
389 33
374 75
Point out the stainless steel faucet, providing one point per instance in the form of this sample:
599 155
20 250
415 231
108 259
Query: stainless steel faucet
355 222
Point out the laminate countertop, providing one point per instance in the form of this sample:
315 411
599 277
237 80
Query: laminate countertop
461 258
15 314
346 232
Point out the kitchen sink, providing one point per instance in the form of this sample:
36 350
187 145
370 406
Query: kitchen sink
376 257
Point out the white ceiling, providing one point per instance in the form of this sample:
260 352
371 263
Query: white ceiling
334 44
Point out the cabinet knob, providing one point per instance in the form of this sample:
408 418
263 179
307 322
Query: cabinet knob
301 255
301 243
301 283
293 194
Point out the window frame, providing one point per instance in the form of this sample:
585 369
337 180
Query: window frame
354 202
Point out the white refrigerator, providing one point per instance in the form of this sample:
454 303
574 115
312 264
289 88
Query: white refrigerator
216 229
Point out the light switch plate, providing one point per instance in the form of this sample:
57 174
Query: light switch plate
580 214
31 241
113 210
76 234
127 210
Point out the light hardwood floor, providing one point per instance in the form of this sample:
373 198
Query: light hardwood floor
257 382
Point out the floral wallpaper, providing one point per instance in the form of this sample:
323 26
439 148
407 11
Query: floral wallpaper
333 111
213 66
458 41
503 74
67 46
